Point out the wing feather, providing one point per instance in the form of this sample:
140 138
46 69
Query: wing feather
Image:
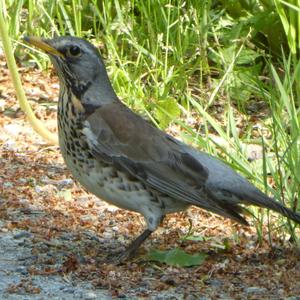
120 137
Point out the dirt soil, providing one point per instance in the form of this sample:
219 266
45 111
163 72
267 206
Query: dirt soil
54 236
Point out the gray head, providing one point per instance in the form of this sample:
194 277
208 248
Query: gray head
79 67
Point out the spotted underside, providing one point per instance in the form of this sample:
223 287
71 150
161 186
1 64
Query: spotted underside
104 179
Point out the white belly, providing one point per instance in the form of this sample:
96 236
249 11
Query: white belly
119 189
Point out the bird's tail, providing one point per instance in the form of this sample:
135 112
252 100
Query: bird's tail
262 200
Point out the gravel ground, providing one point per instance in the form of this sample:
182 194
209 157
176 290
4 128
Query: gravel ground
17 283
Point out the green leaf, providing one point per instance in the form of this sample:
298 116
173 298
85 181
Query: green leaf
166 111
247 56
66 194
176 257
196 238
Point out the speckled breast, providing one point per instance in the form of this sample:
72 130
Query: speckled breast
73 145
96 176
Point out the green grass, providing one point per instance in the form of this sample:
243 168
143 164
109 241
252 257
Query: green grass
170 60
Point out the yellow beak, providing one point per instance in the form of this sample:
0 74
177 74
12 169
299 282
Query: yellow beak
43 45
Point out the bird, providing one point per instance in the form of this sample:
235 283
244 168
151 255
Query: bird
126 161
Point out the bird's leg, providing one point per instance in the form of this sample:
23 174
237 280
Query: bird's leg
133 247
130 251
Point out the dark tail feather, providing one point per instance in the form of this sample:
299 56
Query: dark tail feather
263 200
276 206
234 212
237 217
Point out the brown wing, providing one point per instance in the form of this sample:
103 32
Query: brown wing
122 138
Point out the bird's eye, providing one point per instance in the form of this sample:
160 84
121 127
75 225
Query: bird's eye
74 51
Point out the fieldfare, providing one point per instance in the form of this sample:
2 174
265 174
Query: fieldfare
119 157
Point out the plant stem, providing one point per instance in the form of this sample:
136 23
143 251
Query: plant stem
36 124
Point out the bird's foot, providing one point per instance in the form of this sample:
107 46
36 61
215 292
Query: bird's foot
117 258
120 258
129 253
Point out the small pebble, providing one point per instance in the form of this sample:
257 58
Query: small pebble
168 280
22 180
107 235
191 297
13 129
112 208
22 270
10 145
67 236
8 184
65 183
89 296
2 103
38 189
22 234
214 282
88 218
68 289
43 247
255 290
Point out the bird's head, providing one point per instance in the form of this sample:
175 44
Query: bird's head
77 63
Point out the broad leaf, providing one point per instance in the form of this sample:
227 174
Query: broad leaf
176 257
